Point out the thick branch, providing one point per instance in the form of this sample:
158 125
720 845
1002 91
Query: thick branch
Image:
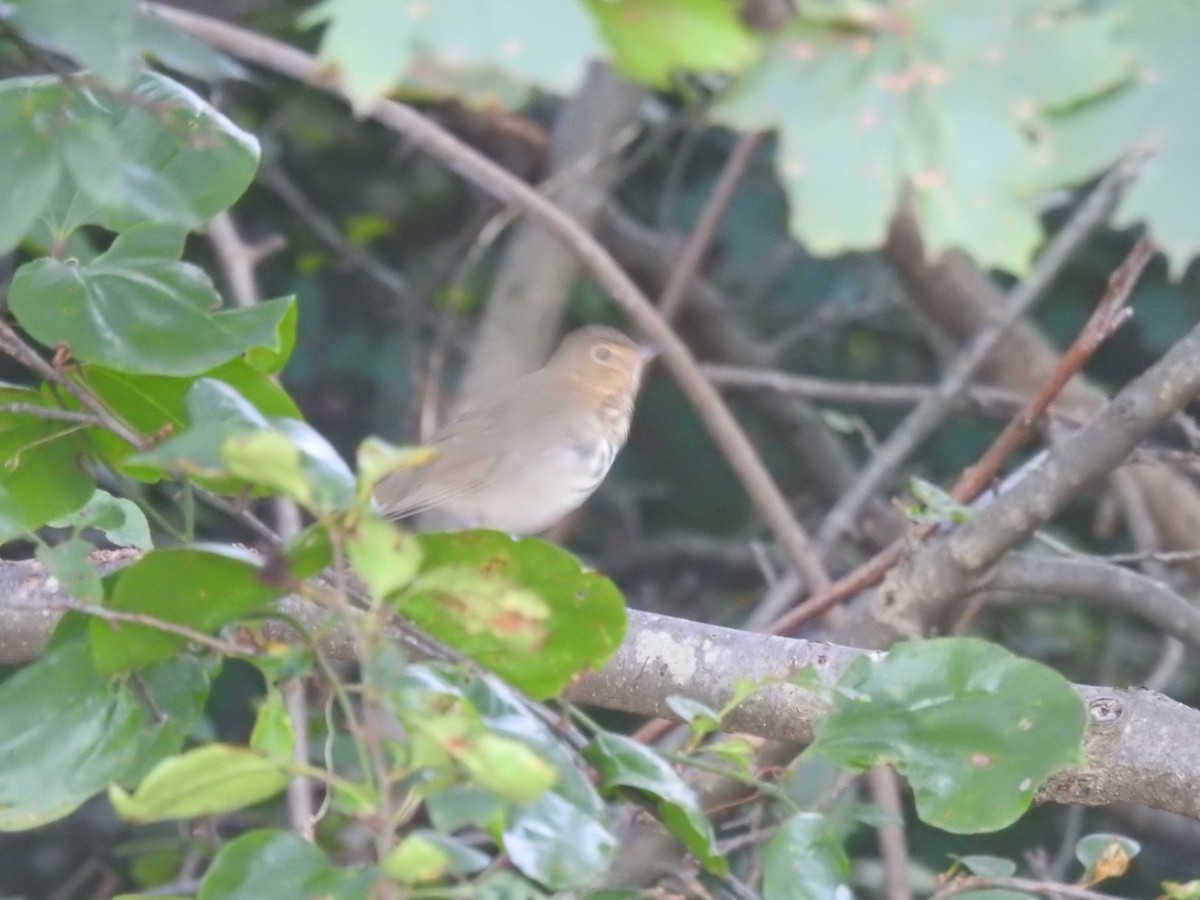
1141 747
919 590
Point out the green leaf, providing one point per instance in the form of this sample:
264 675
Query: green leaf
228 438
623 762
507 768
121 521
461 858
477 53
293 460
273 735
40 471
181 161
109 38
279 865
503 711
555 843
145 315
31 163
1146 113
384 556
212 779
975 729
271 359
416 860
480 612
376 459
652 40
586 612
804 860
200 588
70 563
57 754
942 95
157 405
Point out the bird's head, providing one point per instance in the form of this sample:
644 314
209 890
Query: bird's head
602 359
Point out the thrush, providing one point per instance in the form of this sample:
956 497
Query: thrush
520 458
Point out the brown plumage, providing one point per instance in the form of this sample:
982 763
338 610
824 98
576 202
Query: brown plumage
522 457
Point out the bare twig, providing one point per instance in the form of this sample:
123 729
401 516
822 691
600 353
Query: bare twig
1141 746
984 398
240 260
921 422
884 785
976 478
1054 891
702 234
1100 583
1105 319
726 432
52 413
12 345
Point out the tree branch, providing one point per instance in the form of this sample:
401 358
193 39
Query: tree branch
705 399
1141 747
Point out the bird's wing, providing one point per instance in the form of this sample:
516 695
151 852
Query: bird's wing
457 470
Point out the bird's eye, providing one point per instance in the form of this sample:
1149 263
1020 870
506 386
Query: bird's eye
602 353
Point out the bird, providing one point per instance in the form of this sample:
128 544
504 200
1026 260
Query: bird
519 458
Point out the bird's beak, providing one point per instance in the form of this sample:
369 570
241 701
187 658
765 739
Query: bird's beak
649 352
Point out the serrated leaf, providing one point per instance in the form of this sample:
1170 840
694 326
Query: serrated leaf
479 54
623 762
652 40
942 95
975 729
1147 113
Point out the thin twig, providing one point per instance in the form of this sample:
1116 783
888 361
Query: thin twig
979 476
240 260
884 785
12 345
724 428
985 398
688 263
922 420
1105 319
118 617
52 413
966 884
